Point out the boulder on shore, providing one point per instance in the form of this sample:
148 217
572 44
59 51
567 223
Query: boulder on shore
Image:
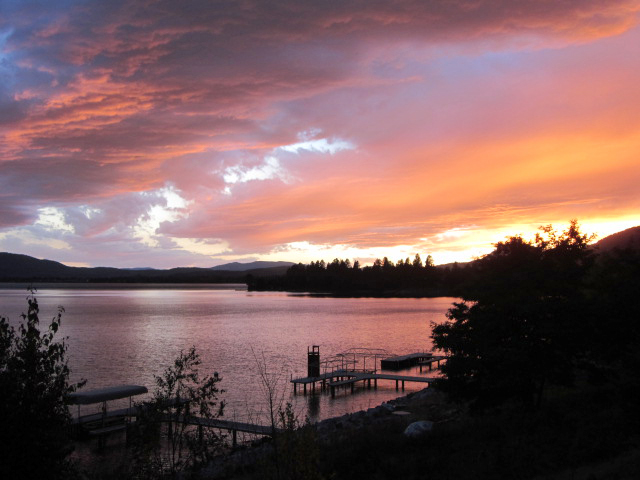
418 429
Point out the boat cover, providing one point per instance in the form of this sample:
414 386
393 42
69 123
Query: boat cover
105 394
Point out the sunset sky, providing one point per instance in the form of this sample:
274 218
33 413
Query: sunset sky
195 133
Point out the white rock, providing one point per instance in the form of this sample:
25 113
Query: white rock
418 429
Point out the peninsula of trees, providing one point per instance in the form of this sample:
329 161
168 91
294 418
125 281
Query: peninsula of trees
405 278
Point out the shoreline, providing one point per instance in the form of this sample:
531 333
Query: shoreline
426 404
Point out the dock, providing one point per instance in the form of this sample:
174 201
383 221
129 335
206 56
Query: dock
343 378
112 421
405 361
430 361
229 425
342 371
108 421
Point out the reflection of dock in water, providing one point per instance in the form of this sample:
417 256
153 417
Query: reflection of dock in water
342 371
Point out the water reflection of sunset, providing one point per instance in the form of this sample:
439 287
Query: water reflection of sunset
132 136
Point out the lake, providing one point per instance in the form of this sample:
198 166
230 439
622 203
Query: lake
126 335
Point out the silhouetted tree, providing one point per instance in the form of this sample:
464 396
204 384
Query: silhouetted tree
34 381
181 394
525 321
429 262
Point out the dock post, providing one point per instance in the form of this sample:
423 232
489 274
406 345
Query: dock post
352 386
234 441
375 383
403 385
295 387
305 388
396 385
333 391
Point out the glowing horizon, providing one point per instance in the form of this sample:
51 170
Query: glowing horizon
164 136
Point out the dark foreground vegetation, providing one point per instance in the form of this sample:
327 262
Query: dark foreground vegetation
34 380
543 381
589 433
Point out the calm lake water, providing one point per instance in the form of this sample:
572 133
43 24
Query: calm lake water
126 335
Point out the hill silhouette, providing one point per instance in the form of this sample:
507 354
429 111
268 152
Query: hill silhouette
243 267
19 268
629 238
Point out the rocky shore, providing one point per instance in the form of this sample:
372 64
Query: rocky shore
427 405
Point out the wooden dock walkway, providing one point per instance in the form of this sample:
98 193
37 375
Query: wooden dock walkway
229 425
368 377
342 378
104 423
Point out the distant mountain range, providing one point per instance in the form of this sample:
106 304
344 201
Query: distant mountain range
21 268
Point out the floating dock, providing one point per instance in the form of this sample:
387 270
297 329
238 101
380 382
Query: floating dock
405 361
430 361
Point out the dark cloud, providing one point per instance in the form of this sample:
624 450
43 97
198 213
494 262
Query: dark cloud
12 211
58 179
12 111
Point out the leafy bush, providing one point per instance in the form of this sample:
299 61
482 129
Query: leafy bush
181 396
34 380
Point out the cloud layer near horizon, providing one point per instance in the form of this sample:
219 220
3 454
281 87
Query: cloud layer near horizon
165 133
